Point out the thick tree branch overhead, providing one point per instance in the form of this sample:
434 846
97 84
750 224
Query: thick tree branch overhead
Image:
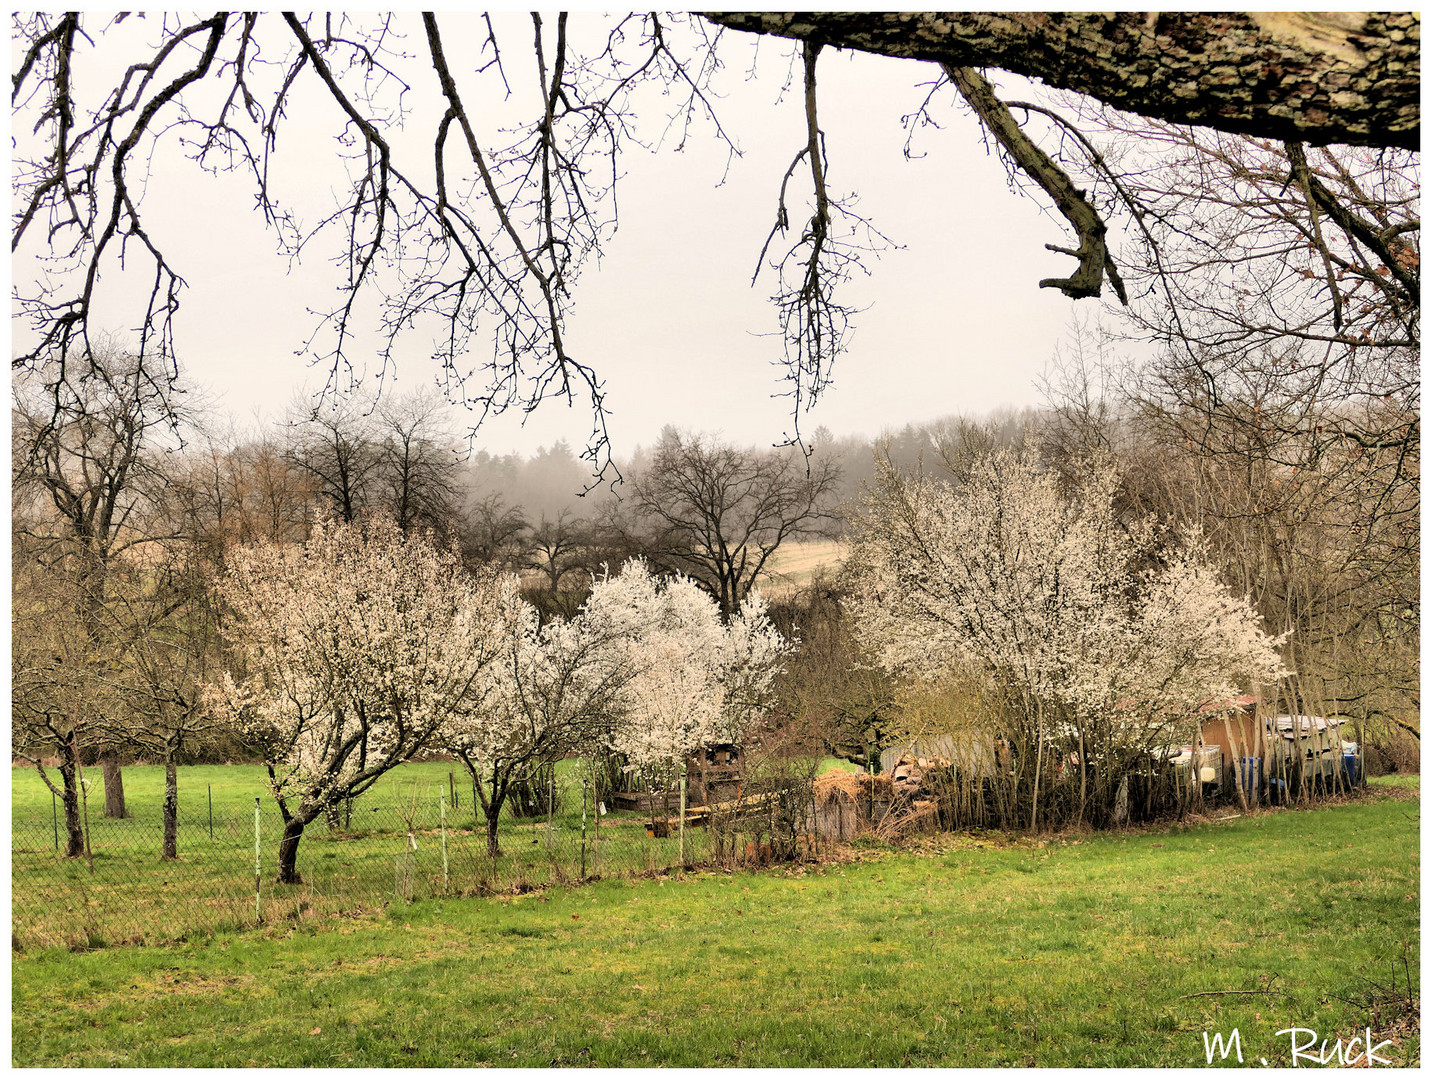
1312 77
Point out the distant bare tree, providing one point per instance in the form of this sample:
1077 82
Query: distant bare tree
556 548
719 513
419 463
338 446
246 488
492 533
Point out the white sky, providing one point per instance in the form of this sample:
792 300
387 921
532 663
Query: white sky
955 320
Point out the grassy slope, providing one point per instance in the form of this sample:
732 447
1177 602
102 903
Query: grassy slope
976 952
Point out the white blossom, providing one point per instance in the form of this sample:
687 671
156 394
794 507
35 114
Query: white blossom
352 649
1011 579
692 680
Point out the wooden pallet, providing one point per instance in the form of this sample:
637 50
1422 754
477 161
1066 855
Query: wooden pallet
701 815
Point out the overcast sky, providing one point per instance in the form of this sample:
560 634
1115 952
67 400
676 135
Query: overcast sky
955 320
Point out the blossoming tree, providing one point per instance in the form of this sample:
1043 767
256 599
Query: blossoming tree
351 651
1099 637
646 668
551 690
692 679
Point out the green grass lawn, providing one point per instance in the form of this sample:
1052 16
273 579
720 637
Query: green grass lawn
1110 950
130 895
232 788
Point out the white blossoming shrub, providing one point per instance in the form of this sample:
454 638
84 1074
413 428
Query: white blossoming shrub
551 690
351 651
1096 634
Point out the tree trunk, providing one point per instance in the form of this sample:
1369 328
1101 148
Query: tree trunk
1038 772
491 807
1316 77
74 823
171 810
493 811
113 786
288 852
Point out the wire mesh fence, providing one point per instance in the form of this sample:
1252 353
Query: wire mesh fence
390 847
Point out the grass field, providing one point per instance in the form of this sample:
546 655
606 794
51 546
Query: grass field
233 788
130 895
793 565
1113 950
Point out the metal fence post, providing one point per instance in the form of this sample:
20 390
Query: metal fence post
258 864
211 811
551 798
442 815
584 832
84 794
55 813
682 826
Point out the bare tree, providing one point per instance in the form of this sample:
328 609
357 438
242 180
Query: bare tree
1274 279
89 473
171 651
418 463
56 700
338 446
830 681
560 551
718 513
244 488
493 534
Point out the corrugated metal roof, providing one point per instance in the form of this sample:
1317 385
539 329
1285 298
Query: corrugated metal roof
1306 723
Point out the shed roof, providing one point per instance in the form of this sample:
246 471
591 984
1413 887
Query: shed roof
1306 723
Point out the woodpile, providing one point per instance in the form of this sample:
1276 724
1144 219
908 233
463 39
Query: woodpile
912 776
848 804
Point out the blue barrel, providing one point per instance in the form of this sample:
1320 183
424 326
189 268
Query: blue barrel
1251 774
1350 766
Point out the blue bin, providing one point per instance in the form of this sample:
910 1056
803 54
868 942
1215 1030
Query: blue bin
1350 767
1251 774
